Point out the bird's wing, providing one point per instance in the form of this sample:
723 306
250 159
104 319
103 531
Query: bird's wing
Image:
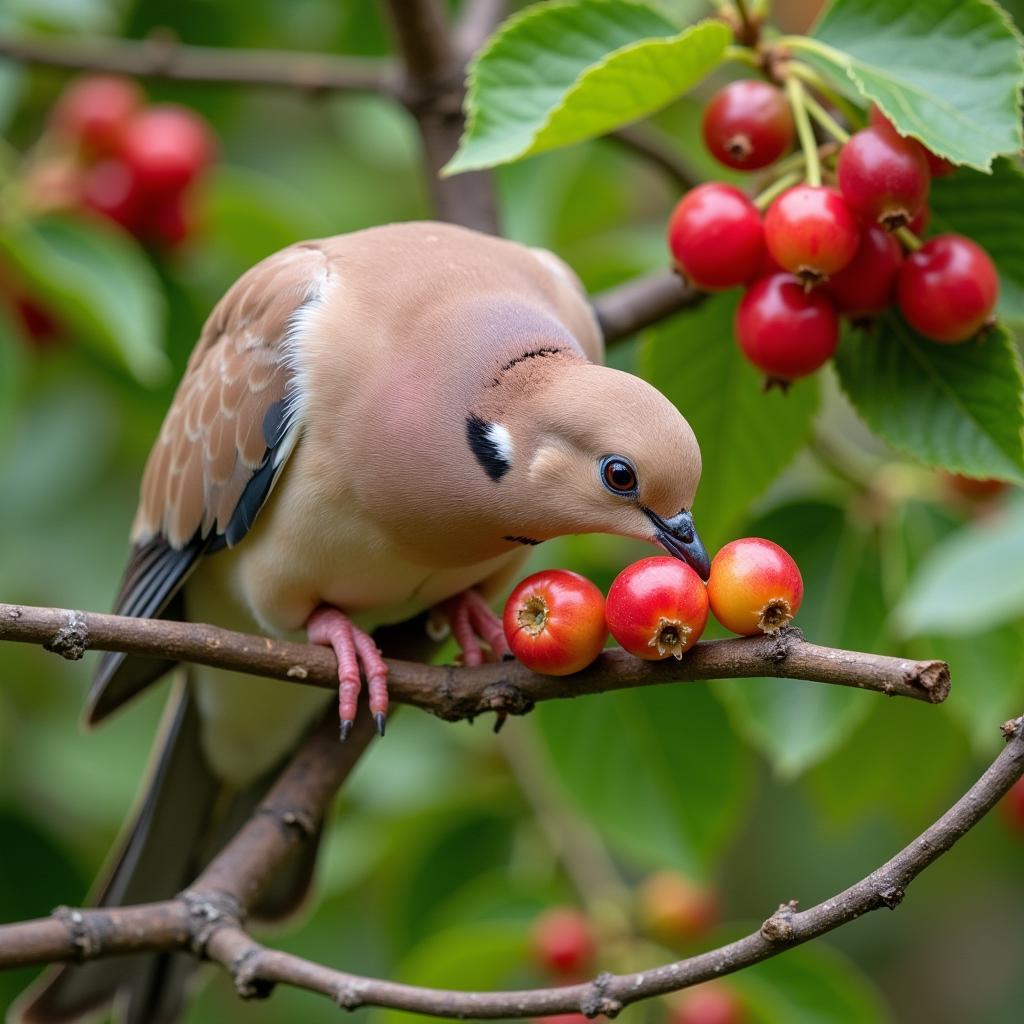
233 423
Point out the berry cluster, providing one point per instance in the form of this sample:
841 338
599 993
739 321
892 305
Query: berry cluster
668 908
846 248
138 165
556 622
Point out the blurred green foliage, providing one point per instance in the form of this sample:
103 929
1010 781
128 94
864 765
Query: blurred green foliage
435 863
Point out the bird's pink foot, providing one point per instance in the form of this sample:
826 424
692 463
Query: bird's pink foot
472 620
354 649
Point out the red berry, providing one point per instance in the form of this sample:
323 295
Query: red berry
948 288
938 166
167 147
39 325
716 237
710 1003
748 125
554 622
674 909
783 329
1012 807
657 607
93 111
755 587
867 284
562 941
883 177
170 221
811 232
919 225
112 189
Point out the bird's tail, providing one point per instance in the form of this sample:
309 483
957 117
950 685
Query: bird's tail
183 819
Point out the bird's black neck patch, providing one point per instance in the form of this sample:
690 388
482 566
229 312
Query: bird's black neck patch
521 540
486 448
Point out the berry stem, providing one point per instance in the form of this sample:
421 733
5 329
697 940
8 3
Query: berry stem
797 96
821 85
764 199
750 28
742 55
825 119
908 239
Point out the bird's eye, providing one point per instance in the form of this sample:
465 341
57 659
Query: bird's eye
618 475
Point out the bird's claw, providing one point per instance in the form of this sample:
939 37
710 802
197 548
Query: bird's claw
473 620
357 656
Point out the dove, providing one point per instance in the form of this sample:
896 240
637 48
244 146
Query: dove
370 427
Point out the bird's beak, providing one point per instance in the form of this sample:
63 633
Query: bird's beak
678 536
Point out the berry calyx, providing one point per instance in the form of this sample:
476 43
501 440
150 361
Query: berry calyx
657 608
811 232
167 147
755 587
93 111
784 330
673 909
748 125
710 1003
867 284
562 942
883 177
948 288
715 236
554 622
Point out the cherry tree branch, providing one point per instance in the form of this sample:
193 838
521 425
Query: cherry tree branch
166 58
657 151
454 693
629 307
207 920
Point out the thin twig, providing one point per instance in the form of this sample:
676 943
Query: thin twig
169 59
455 693
215 930
649 145
629 307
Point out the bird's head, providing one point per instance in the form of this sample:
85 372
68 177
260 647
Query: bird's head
564 446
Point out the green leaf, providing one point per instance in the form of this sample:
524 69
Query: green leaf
989 209
970 582
810 985
658 771
562 72
795 724
957 406
97 281
747 436
947 72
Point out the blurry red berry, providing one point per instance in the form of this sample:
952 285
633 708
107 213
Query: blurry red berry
716 237
755 586
710 1003
1012 807
168 147
39 325
811 232
111 188
748 125
93 111
674 909
784 330
169 221
948 288
883 177
657 608
562 942
867 284
554 622
919 225
938 166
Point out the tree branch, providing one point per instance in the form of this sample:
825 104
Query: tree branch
627 308
648 144
454 693
168 59
212 927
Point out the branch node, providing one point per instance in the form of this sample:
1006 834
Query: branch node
349 996
244 970
597 1002
71 640
780 643
1012 728
932 677
208 911
291 821
891 896
779 927
505 698
84 941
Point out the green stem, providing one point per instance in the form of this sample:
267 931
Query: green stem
743 55
825 119
910 241
822 85
764 199
805 132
